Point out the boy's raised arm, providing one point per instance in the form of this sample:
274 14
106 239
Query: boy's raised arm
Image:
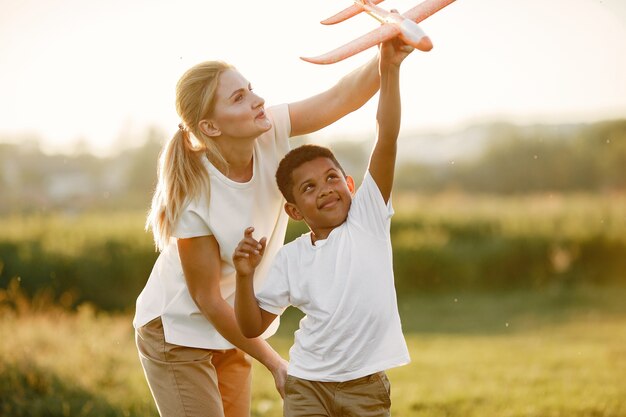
383 158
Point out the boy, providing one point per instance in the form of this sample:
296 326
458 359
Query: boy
340 274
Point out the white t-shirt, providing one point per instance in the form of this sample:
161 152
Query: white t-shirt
345 286
233 207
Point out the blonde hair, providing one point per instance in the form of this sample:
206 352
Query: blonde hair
182 176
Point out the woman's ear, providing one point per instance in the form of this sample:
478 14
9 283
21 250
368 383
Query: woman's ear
293 212
209 128
350 182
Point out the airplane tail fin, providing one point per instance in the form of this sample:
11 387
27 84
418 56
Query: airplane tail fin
346 13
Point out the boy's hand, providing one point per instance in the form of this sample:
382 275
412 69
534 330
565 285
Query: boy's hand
393 52
248 253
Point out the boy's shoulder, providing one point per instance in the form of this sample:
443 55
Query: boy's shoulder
295 245
369 210
368 190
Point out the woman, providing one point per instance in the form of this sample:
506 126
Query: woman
216 177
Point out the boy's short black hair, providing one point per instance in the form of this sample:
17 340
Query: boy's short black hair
295 158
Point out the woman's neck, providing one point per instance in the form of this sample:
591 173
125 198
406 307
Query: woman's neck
238 154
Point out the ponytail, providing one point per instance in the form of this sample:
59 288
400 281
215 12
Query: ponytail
182 176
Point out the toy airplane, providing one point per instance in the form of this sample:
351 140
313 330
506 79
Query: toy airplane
392 24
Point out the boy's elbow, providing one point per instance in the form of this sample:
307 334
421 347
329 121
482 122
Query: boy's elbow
247 328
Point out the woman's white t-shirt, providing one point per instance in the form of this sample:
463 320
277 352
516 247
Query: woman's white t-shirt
233 207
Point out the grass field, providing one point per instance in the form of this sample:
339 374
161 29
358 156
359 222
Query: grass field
511 306
441 243
550 353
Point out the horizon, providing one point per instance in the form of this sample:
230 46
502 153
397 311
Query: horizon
433 154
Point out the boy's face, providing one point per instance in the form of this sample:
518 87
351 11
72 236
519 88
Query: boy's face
322 196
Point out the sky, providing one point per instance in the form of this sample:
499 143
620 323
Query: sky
98 73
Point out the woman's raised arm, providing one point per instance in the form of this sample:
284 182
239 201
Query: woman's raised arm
350 93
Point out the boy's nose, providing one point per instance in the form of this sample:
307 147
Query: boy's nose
325 190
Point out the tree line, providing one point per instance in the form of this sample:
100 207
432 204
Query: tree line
513 160
536 159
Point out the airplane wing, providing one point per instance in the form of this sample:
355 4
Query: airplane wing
426 9
346 13
366 41
381 34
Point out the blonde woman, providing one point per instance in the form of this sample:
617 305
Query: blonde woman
216 177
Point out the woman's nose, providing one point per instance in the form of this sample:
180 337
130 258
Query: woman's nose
258 101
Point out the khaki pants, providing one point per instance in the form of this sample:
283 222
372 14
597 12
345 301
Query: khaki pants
363 397
193 382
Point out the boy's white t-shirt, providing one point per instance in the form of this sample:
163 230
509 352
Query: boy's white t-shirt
233 207
345 286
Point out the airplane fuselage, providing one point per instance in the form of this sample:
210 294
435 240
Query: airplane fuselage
410 32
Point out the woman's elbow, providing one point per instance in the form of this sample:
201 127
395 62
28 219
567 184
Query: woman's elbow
209 306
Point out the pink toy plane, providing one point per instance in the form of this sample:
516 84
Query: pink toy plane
392 24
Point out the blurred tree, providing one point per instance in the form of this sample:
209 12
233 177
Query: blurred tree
567 158
516 159
141 175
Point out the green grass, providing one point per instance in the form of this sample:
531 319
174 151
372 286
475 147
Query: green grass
557 215
441 243
68 234
554 353
511 307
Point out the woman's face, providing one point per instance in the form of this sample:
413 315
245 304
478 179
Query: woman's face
238 111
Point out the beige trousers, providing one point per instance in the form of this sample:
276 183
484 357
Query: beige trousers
368 396
193 382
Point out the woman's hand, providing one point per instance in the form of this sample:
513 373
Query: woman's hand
248 253
279 372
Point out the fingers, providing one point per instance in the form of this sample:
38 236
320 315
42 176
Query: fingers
400 45
263 243
280 387
250 246
280 378
247 247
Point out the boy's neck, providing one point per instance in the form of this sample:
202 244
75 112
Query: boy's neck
321 234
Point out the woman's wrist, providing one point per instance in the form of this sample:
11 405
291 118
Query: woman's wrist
271 360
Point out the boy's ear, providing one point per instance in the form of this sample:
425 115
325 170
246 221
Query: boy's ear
209 128
293 212
350 182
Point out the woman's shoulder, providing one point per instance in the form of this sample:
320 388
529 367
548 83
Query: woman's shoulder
281 123
278 110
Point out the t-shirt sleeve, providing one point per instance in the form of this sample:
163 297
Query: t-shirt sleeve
369 210
191 223
273 294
